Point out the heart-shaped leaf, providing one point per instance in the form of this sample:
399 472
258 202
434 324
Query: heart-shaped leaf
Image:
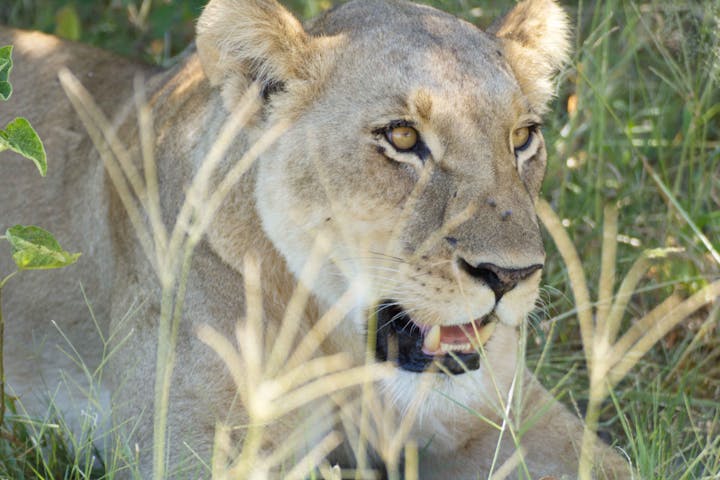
36 249
5 67
19 136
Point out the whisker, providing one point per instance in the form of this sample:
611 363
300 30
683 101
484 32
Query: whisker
388 256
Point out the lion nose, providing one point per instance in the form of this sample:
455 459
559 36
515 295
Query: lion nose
500 280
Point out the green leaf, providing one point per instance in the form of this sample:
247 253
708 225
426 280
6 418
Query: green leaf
67 23
36 249
5 67
19 136
654 253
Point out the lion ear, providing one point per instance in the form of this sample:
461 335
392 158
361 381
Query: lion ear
241 41
535 40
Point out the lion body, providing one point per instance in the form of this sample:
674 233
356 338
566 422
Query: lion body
339 84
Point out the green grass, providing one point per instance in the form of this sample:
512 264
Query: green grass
637 123
645 135
44 448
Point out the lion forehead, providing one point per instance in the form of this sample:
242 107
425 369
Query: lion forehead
393 44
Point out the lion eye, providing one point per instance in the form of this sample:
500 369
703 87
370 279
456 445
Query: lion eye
402 138
521 138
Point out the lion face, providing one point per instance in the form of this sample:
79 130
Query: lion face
415 146
425 172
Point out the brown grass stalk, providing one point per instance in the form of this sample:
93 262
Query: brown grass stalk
609 360
578 283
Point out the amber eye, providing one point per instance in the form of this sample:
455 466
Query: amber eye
521 138
402 138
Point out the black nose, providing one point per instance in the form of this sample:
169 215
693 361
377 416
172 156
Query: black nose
500 280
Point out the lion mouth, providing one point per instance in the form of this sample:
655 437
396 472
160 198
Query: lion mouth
414 347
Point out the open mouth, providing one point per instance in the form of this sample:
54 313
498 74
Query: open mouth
415 347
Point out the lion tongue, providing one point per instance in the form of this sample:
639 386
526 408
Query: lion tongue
453 334
449 337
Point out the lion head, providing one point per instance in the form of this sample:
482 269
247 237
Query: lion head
415 143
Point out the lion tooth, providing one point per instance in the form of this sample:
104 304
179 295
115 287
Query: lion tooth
432 339
486 332
455 347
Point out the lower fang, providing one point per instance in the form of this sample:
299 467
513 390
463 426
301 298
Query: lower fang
484 334
431 343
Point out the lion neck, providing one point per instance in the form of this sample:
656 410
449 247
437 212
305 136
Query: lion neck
236 230
236 233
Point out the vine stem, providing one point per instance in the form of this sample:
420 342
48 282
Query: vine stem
2 363
2 350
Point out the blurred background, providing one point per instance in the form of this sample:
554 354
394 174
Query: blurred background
158 30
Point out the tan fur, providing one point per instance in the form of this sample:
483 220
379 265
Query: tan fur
399 222
535 40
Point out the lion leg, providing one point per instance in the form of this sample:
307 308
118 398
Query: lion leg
553 437
549 437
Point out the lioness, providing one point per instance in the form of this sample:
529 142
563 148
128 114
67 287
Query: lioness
413 143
